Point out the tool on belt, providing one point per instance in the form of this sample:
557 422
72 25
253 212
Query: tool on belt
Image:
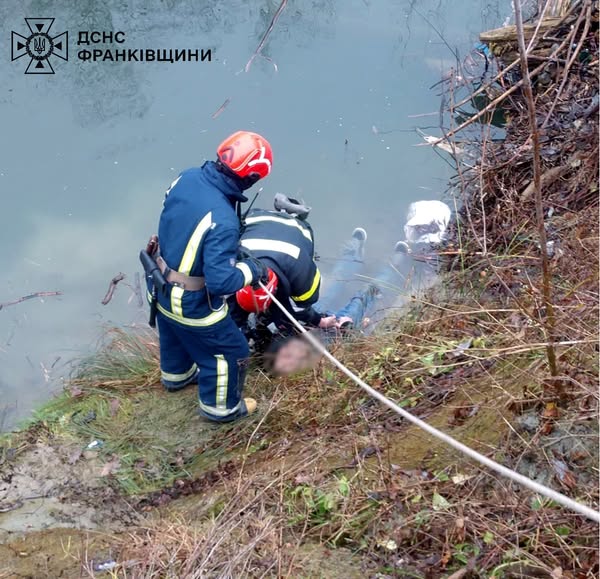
162 276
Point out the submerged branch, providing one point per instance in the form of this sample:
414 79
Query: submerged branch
263 40
30 297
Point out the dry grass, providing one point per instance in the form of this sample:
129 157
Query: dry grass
126 360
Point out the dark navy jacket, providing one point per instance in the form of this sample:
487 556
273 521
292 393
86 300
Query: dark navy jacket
286 245
198 234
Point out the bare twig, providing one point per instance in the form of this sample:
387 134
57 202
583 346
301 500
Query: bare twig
221 108
30 297
537 179
112 287
571 60
494 104
263 40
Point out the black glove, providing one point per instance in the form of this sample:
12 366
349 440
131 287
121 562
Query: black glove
260 272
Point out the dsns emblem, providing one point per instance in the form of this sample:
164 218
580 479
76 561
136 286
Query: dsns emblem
39 46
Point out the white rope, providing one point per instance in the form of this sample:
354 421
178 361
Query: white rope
493 465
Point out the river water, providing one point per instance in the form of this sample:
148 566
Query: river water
88 152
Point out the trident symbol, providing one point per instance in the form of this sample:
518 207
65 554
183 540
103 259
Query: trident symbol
39 45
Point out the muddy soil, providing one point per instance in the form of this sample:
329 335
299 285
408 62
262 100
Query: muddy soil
59 487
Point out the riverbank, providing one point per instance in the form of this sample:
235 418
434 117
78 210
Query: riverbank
118 476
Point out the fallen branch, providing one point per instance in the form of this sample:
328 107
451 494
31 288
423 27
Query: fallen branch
221 108
546 179
30 297
510 33
483 88
263 40
112 287
494 104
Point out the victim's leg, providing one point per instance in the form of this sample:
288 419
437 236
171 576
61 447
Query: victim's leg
345 270
358 307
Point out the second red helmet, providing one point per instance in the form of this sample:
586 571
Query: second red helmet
257 301
246 153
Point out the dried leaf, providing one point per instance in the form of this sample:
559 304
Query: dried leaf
439 503
390 545
578 455
75 391
547 429
551 411
459 479
302 479
461 414
460 349
114 406
446 557
563 473
111 466
569 480
557 573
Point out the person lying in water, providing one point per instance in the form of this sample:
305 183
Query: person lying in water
286 351
275 339
277 342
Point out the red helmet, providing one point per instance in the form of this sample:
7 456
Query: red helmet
256 301
246 153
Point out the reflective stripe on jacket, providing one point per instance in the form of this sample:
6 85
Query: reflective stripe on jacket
287 243
198 233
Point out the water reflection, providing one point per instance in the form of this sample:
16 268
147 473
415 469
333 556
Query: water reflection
91 149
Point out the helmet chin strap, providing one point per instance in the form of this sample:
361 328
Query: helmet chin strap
248 181
242 182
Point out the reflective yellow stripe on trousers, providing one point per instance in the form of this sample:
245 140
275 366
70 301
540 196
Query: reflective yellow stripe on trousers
179 377
222 382
220 407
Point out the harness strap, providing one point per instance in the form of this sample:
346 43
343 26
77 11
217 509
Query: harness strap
187 282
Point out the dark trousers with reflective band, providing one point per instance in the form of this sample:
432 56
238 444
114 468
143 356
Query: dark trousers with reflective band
215 355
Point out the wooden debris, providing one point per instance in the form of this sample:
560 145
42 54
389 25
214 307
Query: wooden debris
263 40
221 108
112 287
30 297
509 33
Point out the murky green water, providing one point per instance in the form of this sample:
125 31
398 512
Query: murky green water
87 152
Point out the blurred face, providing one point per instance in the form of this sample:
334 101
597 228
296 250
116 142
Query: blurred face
294 356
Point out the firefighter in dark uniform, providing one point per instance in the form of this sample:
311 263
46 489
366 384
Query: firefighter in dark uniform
285 244
198 240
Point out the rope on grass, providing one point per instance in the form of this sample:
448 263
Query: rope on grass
491 464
